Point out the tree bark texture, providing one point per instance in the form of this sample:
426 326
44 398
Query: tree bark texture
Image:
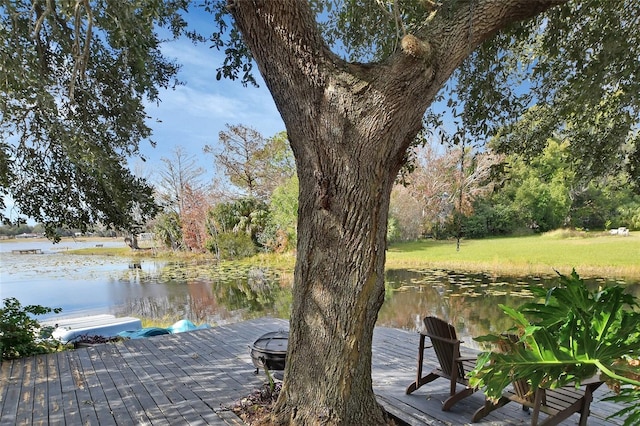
349 126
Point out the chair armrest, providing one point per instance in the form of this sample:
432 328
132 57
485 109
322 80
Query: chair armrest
423 336
466 358
442 339
595 380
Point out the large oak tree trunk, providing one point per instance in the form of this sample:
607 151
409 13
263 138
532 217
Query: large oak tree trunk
338 291
339 284
349 126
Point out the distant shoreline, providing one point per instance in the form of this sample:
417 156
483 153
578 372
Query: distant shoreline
63 239
602 256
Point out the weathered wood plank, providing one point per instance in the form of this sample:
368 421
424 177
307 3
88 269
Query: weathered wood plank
103 391
54 390
178 365
172 367
229 418
85 405
68 387
118 371
99 384
24 416
404 412
67 382
12 384
146 390
194 377
40 415
5 377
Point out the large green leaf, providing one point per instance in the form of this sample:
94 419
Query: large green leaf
571 336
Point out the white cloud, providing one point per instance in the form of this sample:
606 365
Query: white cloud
193 114
188 101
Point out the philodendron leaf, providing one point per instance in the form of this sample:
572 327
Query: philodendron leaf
517 316
569 337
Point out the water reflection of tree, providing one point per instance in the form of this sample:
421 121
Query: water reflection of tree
139 271
197 292
203 304
201 293
259 292
169 302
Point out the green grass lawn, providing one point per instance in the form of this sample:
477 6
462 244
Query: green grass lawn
601 255
591 254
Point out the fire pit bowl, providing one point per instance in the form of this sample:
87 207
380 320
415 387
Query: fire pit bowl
269 350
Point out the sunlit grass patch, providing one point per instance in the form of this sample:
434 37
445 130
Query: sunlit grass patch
571 233
102 251
603 255
593 254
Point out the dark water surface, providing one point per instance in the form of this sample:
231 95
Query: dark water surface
164 292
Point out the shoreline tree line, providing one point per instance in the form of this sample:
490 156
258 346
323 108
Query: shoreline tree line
444 195
492 195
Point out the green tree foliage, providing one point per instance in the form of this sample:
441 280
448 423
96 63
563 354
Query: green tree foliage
281 233
543 192
13 230
75 77
231 245
237 216
580 63
605 203
539 191
19 331
406 221
574 334
246 216
252 163
533 196
168 230
277 165
629 215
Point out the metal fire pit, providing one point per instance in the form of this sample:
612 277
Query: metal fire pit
269 350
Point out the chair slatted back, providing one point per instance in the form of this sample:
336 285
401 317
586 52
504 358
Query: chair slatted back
445 344
520 387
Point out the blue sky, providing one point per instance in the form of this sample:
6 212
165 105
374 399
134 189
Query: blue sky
192 115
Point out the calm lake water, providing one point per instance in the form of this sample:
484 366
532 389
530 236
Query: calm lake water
164 292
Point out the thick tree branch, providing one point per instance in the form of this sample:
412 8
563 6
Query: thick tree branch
285 41
453 34
297 64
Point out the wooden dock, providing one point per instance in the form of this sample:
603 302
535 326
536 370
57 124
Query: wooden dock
194 377
27 251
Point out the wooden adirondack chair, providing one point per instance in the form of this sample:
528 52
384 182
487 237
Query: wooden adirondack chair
559 404
452 366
